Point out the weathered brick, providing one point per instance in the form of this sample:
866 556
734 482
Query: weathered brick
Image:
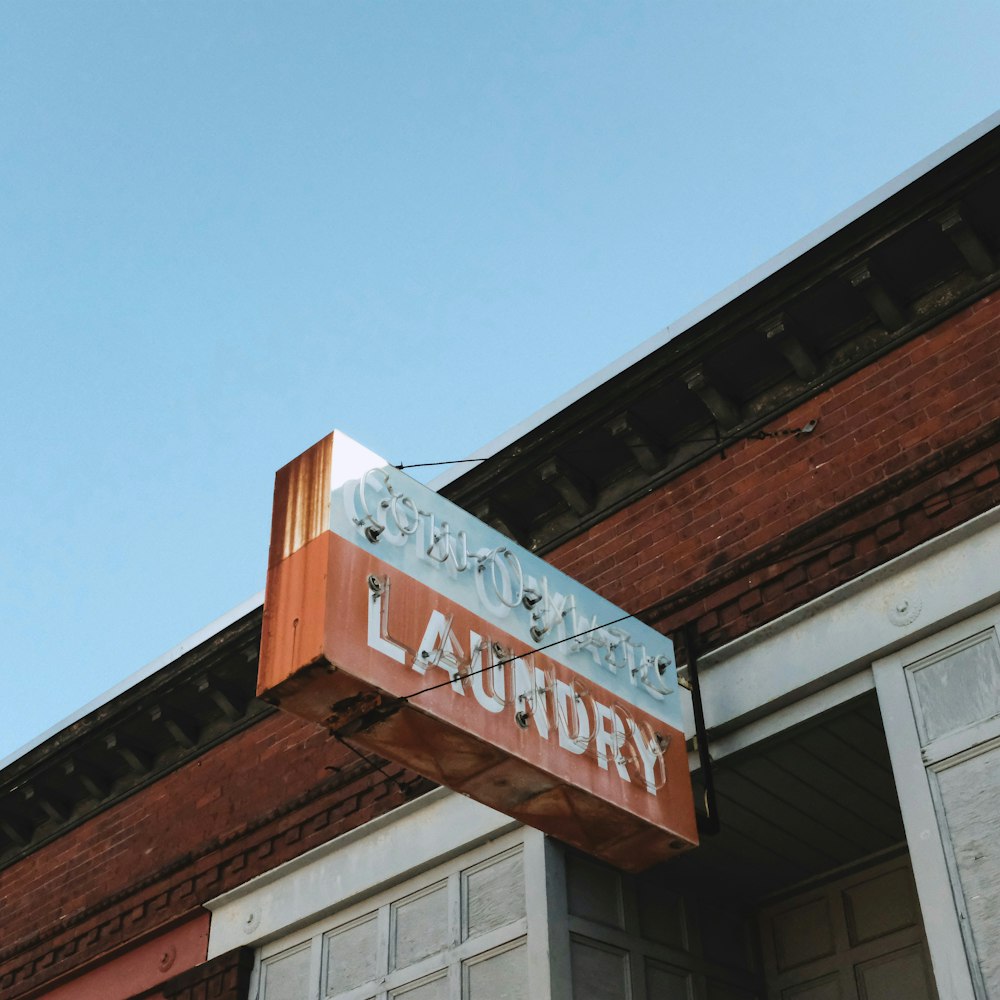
986 476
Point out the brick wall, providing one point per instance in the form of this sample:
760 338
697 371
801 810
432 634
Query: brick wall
268 794
904 449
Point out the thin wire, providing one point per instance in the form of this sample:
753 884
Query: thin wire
425 465
370 761
805 550
825 546
535 649
716 440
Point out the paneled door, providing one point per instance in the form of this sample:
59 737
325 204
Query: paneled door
856 938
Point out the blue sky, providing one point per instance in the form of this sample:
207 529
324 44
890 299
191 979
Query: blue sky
229 227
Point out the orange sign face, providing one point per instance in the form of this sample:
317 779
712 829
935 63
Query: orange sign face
417 632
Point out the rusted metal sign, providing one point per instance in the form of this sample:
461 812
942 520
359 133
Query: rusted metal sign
396 619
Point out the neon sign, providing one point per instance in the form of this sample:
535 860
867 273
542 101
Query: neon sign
396 618
507 593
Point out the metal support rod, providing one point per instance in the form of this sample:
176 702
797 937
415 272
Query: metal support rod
708 822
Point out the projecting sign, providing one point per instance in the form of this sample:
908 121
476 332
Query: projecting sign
418 632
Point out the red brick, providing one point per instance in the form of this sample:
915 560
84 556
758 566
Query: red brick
986 476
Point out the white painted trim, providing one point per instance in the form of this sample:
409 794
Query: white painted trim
938 890
417 836
460 947
724 297
930 868
785 718
957 747
536 905
841 633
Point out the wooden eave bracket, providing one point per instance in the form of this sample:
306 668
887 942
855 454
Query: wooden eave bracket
804 363
181 727
53 806
498 515
725 413
138 760
640 439
860 276
570 484
956 227
232 706
95 783
17 831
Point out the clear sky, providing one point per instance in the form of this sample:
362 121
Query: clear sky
228 227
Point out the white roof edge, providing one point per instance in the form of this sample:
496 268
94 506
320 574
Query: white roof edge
154 666
726 296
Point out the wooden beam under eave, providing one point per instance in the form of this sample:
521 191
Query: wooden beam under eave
724 411
18 831
52 805
889 313
137 760
641 441
95 783
804 363
181 727
233 707
498 515
570 484
966 240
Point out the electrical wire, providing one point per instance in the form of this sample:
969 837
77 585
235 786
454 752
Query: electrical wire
535 649
370 761
717 439
426 465
802 551
806 551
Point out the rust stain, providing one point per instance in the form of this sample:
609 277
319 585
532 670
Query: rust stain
301 500
294 614
316 661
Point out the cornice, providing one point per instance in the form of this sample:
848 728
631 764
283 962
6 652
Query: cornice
901 269
152 728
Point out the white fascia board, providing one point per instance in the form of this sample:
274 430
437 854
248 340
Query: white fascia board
153 667
838 635
389 849
723 298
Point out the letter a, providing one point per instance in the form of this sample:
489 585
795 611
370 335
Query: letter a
439 648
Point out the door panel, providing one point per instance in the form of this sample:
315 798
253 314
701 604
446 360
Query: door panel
856 938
